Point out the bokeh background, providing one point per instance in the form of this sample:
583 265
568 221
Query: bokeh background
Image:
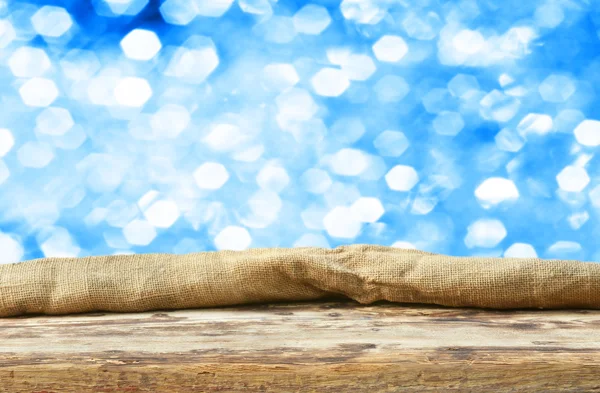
459 127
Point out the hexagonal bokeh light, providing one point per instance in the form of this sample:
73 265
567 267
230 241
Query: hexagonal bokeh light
140 44
51 21
178 126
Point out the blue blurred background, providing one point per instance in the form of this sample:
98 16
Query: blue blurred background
458 127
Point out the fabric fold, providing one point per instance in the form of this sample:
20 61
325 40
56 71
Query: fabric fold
364 273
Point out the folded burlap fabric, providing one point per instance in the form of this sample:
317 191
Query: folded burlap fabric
365 273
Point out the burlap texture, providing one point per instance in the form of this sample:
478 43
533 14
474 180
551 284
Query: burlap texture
365 273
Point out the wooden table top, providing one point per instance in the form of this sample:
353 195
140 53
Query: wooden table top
319 346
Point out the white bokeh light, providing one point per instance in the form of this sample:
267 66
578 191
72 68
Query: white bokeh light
312 240
79 64
557 88
27 62
573 178
132 91
391 89
391 143
495 190
170 120
224 137
402 178
341 223
520 250
390 48
403 244
212 8
367 209
139 232
7 33
498 106
273 178
296 104
256 7
509 140
140 44
588 132
4 172
38 92
535 123
468 41
7 141
123 7
349 162
54 121
358 67
280 76
347 129
311 19
178 12
35 154
51 21
315 180
330 82
233 238
462 85
485 233
363 12
12 250
448 123
162 213
564 249
549 14
277 29
60 244
194 65
211 176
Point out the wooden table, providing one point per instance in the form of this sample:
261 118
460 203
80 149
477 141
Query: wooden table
328 346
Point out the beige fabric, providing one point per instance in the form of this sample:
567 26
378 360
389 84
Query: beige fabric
365 273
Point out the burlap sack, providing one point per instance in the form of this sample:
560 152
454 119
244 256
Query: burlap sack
365 273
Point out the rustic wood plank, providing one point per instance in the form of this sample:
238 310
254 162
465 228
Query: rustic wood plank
326 346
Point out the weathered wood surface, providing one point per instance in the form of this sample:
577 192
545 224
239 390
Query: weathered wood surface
327 346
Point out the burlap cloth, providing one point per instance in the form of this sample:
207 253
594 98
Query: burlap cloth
365 273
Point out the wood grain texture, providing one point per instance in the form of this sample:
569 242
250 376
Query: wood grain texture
321 346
